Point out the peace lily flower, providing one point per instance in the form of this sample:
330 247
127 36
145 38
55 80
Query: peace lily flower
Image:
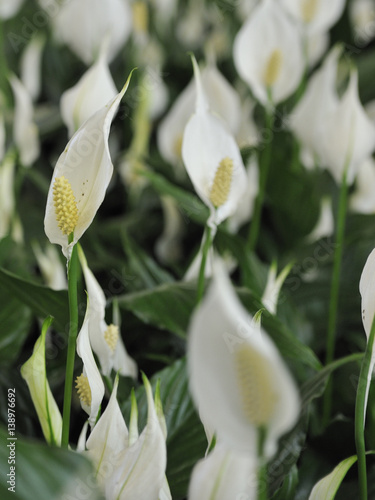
25 132
128 466
95 88
212 159
89 384
274 283
222 99
224 474
83 24
31 65
34 373
238 380
105 340
80 179
54 273
366 289
268 53
362 200
315 15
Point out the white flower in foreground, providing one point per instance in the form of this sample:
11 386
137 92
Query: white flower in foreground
362 16
367 291
246 205
350 135
80 179
222 99
95 88
212 159
363 200
9 8
238 380
25 132
315 15
89 384
31 61
224 474
34 372
105 339
274 283
53 271
268 53
83 24
128 466
326 223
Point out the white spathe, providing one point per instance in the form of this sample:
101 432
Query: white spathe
116 358
92 92
25 132
315 15
225 474
223 343
83 24
363 200
325 224
222 100
362 17
9 8
269 38
206 142
87 165
31 61
53 271
274 283
90 370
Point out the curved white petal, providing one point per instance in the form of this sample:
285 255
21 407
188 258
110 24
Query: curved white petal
25 132
141 468
90 370
168 245
274 283
269 31
225 474
53 271
31 66
363 200
326 224
7 197
367 289
87 165
222 99
83 24
308 121
206 143
350 135
220 332
362 16
317 45
95 88
316 15
9 8
108 438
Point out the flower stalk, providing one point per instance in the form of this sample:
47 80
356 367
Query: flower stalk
208 237
72 339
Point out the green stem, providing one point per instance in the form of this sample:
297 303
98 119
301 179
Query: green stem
334 296
262 469
205 249
263 175
73 331
360 413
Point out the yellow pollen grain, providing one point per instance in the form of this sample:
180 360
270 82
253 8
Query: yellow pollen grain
140 16
111 336
273 68
309 10
65 205
221 186
83 389
257 389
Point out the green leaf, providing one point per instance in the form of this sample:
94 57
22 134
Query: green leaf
15 321
40 299
288 489
327 487
46 473
186 440
189 204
